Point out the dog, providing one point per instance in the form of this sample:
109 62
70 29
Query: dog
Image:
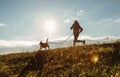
44 45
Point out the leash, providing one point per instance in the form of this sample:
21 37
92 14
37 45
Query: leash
62 41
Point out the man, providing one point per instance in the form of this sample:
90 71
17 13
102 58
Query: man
76 30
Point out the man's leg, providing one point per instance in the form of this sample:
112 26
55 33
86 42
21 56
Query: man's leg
76 34
76 38
84 42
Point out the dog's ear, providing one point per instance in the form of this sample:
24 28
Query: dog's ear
40 42
47 40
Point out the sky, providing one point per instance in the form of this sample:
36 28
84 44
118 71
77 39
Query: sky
34 20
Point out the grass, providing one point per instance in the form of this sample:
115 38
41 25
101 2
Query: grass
79 61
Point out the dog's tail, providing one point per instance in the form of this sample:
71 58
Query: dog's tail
47 40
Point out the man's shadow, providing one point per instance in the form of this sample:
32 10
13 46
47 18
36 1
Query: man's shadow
35 64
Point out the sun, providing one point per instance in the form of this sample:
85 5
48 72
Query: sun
50 26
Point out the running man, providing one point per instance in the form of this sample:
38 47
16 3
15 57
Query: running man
76 30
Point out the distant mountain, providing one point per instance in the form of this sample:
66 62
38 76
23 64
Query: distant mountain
25 46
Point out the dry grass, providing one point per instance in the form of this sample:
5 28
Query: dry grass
66 62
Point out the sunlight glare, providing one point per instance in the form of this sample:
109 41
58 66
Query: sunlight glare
50 26
94 58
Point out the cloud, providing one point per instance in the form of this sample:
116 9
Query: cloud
80 13
117 20
67 21
2 24
86 37
75 17
109 20
13 43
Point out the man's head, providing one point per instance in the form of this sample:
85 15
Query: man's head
75 21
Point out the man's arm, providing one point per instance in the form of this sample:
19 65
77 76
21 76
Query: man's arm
81 29
71 27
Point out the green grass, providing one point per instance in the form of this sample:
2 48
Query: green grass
65 62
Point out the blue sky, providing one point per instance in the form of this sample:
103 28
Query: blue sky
28 19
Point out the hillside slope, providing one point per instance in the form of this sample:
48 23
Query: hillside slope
79 61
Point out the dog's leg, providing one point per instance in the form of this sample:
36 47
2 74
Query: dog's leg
48 47
40 48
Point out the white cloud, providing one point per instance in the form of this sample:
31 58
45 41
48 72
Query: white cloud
75 17
67 21
85 37
13 43
109 20
117 20
80 13
2 24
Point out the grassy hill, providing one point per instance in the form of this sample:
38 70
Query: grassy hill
79 61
